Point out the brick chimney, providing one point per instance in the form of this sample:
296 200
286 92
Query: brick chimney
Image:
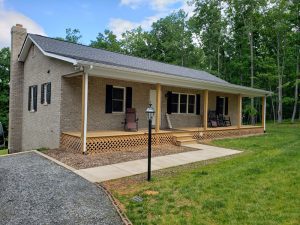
18 35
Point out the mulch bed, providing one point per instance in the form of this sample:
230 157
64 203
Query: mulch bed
80 161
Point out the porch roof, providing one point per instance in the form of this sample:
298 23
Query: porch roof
121 66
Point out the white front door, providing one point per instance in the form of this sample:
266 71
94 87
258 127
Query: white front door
152 101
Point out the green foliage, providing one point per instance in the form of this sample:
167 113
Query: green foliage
107 41
249 110
72 36
4 87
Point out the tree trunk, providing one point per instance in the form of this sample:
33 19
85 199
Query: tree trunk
279 83
296 89
250 35
273 108
219 60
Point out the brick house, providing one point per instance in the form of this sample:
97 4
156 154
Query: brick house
74 96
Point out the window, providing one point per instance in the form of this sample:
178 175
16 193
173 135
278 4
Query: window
191 105
33 51
174 104
46 93
183 103
118 99
222 105
32 98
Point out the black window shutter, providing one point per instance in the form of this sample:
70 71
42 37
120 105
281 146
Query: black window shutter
169 102
198 104
42 93
108 102
29 99
128 97
49 93
35 98
226 106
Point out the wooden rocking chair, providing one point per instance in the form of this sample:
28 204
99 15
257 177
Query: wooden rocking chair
131 121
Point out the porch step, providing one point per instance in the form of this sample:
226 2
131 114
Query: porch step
184 138
186 141
183 134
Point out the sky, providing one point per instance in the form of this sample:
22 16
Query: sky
52 17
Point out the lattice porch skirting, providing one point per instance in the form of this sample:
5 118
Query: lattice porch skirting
219 134
124 142
115 143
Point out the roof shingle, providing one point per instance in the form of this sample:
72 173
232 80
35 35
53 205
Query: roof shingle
86 53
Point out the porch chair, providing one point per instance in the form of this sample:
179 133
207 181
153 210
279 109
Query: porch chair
226 122
212 119
130 121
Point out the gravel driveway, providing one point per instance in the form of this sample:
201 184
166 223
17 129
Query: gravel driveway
35 190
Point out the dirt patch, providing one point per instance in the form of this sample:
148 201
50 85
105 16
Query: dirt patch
80 161
149 192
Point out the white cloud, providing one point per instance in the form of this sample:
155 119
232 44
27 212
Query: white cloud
132 3
162 5
119 26
157 5
10 18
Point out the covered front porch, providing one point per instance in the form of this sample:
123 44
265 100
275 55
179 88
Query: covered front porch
91 122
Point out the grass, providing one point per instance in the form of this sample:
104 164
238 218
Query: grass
3 151
259 186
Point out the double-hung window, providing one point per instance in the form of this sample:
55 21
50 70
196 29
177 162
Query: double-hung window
192 104
46 93
32 98
118 99
183 103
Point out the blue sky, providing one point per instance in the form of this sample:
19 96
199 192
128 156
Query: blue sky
51 18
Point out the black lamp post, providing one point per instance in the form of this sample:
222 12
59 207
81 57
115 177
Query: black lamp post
150 114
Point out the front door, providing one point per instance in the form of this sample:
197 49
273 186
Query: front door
153 102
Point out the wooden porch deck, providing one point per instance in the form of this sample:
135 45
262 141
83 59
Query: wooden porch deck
104 141
116 133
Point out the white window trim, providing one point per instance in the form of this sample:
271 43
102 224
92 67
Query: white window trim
45 93
31 101
124 100
187 103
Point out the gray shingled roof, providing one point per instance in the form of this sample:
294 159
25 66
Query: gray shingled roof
86 53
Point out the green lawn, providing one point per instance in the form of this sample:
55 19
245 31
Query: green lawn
259 186
3 151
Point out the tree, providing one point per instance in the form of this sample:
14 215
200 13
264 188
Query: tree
209 25
72 36
4 86
171 41
107 41
137 42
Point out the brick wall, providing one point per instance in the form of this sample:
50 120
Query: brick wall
42 128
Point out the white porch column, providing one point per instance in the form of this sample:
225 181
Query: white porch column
263 114
205 109
239 114
85 84
158 108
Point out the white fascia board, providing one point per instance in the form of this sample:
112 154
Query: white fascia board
26 48
123 73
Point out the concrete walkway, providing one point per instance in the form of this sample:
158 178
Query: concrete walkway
125 169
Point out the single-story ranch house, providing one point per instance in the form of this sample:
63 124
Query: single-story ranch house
76 97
